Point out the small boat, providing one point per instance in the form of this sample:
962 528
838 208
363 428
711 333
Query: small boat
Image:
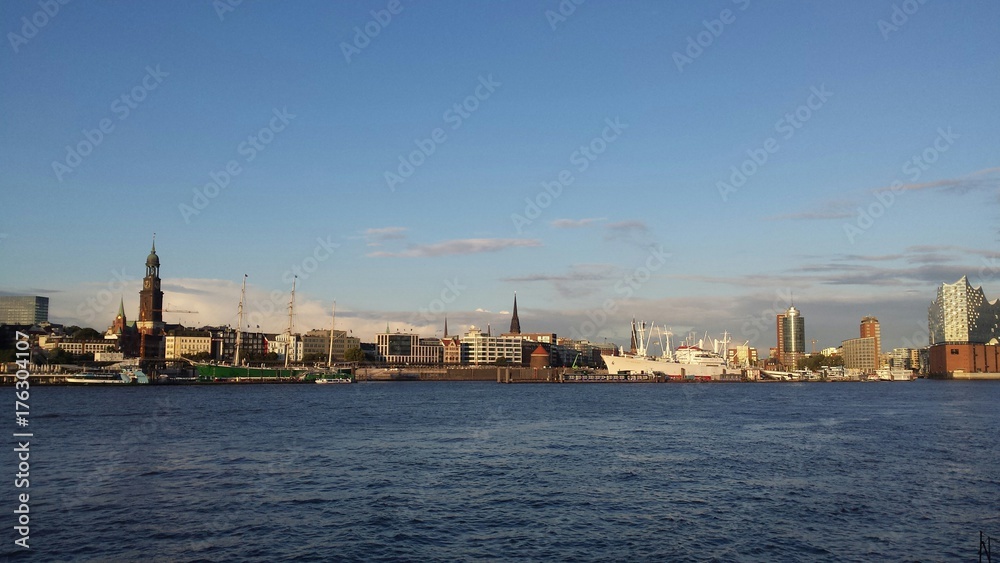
333 380
338 376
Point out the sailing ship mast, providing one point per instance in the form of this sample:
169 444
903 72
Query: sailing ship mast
239 326
333 325
291 309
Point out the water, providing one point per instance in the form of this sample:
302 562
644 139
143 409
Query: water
459 471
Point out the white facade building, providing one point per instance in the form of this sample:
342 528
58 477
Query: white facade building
478 348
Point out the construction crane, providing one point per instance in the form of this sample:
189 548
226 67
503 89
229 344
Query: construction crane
167 309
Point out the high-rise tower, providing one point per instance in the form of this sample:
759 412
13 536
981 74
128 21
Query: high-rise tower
870 329
150 322
793 337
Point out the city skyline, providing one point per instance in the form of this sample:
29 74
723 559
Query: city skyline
636 158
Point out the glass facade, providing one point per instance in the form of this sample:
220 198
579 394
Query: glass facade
24 310
961 313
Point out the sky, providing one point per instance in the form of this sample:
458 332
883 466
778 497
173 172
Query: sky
698 166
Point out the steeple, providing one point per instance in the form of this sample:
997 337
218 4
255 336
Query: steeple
121 309
445 335
515 323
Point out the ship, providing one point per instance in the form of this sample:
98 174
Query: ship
126 376
239 372
689 361
894 374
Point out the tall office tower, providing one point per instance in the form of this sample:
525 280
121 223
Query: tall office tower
23 309
793 343
870 329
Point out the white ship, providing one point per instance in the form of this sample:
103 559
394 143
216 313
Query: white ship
894 374
687 362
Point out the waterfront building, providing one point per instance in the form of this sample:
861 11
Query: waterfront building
964 332
859 354
583 353
742 355
902 358
399 348
186 343
870 329
253 345
539 358
831 351
452 350
150 324
316 344
961 314
964 360
284 344
24 309
479 348
75 346
792 334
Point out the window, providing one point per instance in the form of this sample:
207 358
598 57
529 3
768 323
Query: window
954 351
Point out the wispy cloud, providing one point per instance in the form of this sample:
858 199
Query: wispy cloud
575 223
458 246
981 180
375 237
579 281
985 179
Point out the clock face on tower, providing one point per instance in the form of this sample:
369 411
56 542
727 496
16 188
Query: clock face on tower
146 283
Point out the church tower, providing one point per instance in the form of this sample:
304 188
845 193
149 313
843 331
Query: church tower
150 323
515 323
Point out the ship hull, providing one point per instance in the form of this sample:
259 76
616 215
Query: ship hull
637 365
212 372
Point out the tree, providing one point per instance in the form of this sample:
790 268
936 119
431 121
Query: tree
199 357
354 355
86 334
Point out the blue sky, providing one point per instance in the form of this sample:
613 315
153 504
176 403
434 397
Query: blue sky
834 100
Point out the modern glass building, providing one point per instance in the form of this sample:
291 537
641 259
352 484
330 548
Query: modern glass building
793 335
24 309
961 313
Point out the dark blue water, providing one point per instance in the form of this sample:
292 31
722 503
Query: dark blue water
459 471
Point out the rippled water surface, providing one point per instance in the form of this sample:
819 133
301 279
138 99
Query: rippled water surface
419 471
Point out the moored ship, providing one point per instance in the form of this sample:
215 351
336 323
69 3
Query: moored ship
123 377
687 362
